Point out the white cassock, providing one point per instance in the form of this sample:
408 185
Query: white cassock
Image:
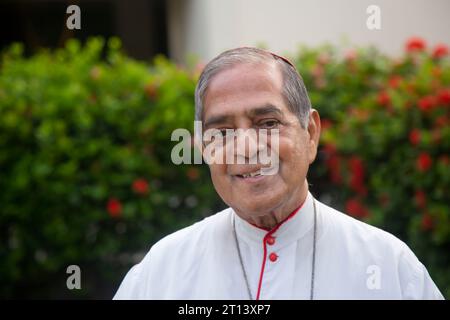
353 260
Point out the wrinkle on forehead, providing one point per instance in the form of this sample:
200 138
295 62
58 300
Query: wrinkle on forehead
249 83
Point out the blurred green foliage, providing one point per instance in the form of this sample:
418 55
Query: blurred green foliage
78 127
86 176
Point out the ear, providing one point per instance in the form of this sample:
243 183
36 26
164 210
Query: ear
314 128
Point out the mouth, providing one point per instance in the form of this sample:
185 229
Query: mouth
251 177
248 175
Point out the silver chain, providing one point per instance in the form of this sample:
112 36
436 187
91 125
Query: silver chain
240 259
313 264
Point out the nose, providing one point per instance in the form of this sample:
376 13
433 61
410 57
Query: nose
247 145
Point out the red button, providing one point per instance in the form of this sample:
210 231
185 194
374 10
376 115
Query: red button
273 257
270 240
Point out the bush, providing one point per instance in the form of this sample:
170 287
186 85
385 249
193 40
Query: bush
86 175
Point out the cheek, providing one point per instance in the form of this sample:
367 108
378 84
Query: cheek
219 176
294 157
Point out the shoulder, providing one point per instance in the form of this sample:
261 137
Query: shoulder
359 233
171 257
188 242
193 236
374 246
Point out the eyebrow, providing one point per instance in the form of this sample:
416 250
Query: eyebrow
258 111
214 120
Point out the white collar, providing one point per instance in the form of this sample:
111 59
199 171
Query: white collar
289 230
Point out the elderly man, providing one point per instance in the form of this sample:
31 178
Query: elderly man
275 241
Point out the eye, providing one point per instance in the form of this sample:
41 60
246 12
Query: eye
269 124
216 137
225 131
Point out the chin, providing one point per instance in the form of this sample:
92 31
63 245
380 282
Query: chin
258 205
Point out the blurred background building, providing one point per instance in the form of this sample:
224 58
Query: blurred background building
180 28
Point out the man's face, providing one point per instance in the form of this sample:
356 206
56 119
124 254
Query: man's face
248 96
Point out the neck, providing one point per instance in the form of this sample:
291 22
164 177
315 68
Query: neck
272 218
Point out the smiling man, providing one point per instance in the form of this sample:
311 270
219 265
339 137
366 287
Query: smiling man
275 241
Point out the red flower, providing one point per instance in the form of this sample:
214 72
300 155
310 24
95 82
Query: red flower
444 96
420 198
441 121
383 98
333 163
427 103
140 186
414 137
356 209
334 166
193 174
325 124
424 162
357 175
151 91
394 81
441 50
330 149
427 222
415 44
114 207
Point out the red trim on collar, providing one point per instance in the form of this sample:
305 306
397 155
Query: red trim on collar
269 234
283 221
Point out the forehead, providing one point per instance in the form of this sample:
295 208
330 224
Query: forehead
240 88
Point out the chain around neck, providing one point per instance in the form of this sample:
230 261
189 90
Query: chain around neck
313 262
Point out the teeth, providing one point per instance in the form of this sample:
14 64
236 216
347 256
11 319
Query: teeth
252 174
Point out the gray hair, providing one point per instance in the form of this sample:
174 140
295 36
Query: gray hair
294 90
